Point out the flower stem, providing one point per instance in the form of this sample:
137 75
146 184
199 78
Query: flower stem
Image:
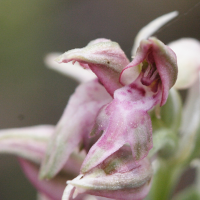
164 181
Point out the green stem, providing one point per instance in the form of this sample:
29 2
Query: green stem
164 181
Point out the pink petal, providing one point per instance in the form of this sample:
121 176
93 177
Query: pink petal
28 142
118 177
53 189
74 126
104 57
164 59
122 122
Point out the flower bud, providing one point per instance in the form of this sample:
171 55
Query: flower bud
187 51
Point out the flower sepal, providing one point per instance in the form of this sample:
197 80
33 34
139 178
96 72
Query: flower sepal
117 177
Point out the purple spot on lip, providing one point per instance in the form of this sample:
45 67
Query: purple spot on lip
140 90
129 91
123 93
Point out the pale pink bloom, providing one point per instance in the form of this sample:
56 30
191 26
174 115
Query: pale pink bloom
188 57
107 116
120 120
113 108
109 63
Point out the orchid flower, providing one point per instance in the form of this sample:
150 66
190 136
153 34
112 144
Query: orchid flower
116 115
106 59
107 116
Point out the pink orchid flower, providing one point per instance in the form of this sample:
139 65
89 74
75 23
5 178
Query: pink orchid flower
125 119
113 108
106 59
107 116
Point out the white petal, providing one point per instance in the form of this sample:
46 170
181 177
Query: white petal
69 190
190 122
191 112
151 28
187 51
74 71
26 142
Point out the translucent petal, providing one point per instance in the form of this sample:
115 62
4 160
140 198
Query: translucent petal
71 70
187 51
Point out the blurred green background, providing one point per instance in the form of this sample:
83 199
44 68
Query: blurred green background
31 94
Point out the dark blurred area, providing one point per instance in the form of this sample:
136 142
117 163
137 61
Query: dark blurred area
31 94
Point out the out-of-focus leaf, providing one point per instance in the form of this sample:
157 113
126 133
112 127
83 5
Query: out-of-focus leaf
190 193
165 143
170 114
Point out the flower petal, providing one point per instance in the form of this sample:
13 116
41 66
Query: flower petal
69 190
74 126
122 122
104 57
74 71
28 142
52 189
151 28
118 177
191 112
165 62
187 51
190 127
